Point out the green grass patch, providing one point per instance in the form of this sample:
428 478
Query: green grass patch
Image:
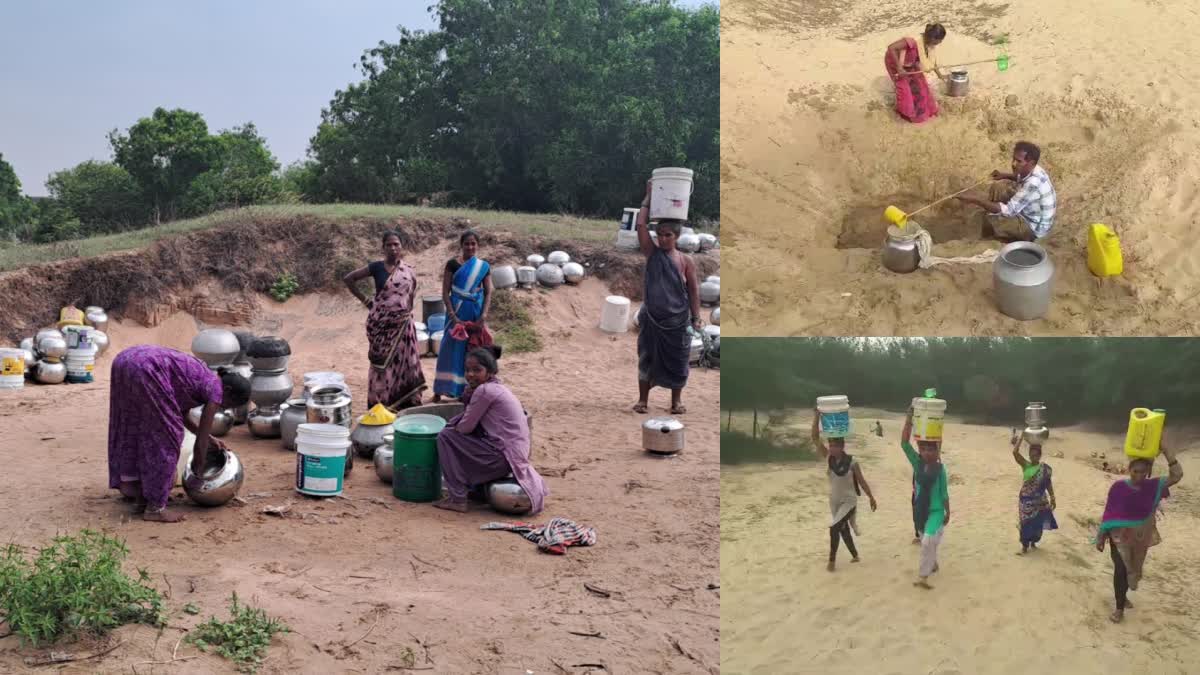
74 587
243 639
511 324
740 448
15 256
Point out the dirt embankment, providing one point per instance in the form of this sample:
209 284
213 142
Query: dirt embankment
218 275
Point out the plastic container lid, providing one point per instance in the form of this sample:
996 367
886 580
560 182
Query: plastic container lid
418 426
324 430
378 416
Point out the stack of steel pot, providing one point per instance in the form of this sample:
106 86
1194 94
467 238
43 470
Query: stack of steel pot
270 384
220 350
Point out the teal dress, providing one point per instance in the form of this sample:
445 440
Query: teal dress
938 498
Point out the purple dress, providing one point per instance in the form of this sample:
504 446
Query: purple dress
152 390
488 441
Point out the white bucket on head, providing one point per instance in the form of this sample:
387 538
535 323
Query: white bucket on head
504 276
321 451
628 240
670 193
80 364
614 318
12 368
835 416
928 416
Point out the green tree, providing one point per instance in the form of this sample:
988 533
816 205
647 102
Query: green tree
164 153
242 173
16 210
101 195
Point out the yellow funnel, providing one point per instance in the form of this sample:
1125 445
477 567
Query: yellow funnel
895 216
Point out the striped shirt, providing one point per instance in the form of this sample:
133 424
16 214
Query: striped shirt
1034 203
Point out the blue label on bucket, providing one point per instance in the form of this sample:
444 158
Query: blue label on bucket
835 425
320 475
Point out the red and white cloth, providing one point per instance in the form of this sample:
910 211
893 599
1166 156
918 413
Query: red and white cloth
553 537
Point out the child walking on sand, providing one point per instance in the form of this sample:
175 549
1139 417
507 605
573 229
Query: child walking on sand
932 500
846 482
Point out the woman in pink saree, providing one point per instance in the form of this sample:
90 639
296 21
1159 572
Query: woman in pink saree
907 60
395 379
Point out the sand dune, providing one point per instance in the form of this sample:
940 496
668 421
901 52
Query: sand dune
991 611
812 154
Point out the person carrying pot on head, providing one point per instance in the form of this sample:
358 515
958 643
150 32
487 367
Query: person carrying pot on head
846 482
395 378
152 390
1020 205
489 440
932 498
1128 523
671 304
467 293
1035 501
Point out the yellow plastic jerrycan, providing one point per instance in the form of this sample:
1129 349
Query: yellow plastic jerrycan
1145 433
1104 251
70 316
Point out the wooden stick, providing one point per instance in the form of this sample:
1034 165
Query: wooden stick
957 65
907 216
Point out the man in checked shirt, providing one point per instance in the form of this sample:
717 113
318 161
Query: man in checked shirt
1020 205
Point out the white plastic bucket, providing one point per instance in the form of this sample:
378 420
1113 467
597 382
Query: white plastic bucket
614 317
321 451
12 368
670 193
628 240
928 416
80 364
629 219
835 416
78 337
504 276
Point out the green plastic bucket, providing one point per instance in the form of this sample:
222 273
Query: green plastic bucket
416 475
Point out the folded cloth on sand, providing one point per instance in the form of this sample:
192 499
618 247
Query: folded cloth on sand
553 537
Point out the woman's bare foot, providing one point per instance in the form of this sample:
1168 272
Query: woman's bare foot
830 566
678 409
1023 551
450 505
922 582
640 407
935 569
163 516
916 540
1117 616
1128 604
855 559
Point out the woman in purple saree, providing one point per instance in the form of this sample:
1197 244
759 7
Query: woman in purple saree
1128 523
152 390
489 440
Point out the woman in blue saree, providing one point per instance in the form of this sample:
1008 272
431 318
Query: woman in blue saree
1035 502
467 292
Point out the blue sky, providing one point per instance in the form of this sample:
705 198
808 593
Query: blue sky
74 70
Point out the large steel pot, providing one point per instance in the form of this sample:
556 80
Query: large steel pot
707 241
423 343
268 363
559 258
1035 431
958 84
31 361
715 317
245 339
550 275
366 437
51 372
712 331
52 348
28 343
435 342
688 243
221 424
526 276
384 464
48 332
1023 280
573 272
216 347
100 339
507 496
504 276
662 435
270 389
291 415
323 377
329 405
264 423
900 252
710 293
96 317
218 482
269 353
697 348
535 260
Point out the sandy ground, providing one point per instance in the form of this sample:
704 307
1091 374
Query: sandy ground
812 153
991 611
483 602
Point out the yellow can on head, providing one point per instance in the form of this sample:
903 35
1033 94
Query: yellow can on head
895 216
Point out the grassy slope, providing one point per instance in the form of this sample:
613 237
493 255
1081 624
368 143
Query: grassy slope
545 225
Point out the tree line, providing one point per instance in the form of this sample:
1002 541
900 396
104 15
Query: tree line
529 105
989 380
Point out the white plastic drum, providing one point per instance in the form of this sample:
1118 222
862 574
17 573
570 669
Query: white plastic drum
12 368
614 317
504 276
671 192
321 451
